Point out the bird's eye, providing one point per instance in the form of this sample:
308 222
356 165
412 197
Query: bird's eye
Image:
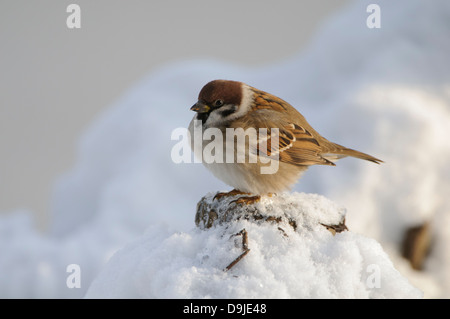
218 103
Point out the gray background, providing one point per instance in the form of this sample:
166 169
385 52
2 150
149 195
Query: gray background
54 81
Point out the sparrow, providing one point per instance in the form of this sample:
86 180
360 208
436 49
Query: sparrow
223 105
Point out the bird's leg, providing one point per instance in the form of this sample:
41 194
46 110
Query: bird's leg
245 248
234 192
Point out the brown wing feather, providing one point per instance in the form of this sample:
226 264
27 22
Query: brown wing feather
297 144
305 148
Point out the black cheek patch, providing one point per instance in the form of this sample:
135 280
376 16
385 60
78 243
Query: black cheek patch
230 111
202 117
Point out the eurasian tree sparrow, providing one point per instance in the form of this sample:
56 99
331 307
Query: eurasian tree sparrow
226 104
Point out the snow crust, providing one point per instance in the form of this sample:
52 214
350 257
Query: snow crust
283 262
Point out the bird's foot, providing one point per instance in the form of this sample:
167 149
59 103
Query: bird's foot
247 200
234 192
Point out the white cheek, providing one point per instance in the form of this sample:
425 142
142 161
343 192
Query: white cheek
214 119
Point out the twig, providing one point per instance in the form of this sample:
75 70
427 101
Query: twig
245 248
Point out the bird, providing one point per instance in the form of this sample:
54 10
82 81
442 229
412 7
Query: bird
227 106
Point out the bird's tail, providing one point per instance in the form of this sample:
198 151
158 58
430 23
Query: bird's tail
340 151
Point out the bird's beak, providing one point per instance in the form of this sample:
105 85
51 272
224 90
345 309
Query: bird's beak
200 107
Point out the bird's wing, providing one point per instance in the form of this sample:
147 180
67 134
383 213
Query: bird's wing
296 145
285 140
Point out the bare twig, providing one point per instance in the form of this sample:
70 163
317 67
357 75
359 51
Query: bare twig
245 248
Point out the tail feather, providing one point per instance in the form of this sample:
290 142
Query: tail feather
341 151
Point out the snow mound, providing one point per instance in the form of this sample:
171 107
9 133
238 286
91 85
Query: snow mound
305 261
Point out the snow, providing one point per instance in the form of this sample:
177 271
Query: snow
382 91
308 262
